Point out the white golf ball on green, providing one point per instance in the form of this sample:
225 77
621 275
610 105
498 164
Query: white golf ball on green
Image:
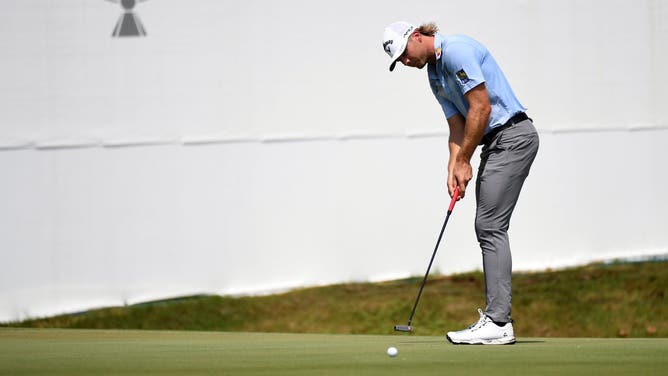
392 351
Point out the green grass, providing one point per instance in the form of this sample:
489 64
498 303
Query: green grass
599 300
55 352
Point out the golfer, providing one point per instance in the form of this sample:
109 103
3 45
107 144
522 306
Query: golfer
481 109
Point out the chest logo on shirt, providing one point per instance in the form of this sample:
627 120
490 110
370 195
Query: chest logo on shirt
463 78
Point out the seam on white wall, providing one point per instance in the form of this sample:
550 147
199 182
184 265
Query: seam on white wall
217 139
142 141
15 145
198 140
66 144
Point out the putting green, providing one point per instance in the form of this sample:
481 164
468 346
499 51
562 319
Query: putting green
125 352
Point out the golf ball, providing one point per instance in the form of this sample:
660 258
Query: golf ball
392 351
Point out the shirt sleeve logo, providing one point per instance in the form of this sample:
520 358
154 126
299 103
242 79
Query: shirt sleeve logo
463 78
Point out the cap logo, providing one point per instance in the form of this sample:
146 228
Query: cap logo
408 31
386 45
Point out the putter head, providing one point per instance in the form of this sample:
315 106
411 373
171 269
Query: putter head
403 328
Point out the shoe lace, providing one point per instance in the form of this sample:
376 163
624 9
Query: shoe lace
481 321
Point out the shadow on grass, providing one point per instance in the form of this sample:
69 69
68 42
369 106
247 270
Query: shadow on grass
421 342
408 341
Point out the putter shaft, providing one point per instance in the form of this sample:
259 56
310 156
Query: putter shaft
409 328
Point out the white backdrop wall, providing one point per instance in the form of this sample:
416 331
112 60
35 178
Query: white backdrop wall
242 147
252 68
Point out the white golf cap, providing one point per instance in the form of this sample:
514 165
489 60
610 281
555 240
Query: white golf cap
395 39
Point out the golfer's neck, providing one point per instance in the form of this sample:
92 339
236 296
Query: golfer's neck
429 41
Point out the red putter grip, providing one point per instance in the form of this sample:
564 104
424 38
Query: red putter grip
455 196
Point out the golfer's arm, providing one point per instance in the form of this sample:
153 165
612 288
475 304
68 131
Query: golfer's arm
456 124
476 121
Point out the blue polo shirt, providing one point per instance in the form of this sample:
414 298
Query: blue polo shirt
462 63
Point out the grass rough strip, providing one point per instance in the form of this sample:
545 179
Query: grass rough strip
598 300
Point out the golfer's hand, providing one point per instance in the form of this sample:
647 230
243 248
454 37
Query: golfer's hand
452 184
462 173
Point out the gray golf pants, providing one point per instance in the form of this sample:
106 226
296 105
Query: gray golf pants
504 164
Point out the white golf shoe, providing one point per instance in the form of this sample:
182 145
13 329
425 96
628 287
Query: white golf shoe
484 332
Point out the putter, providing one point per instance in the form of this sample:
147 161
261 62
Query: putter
408 327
